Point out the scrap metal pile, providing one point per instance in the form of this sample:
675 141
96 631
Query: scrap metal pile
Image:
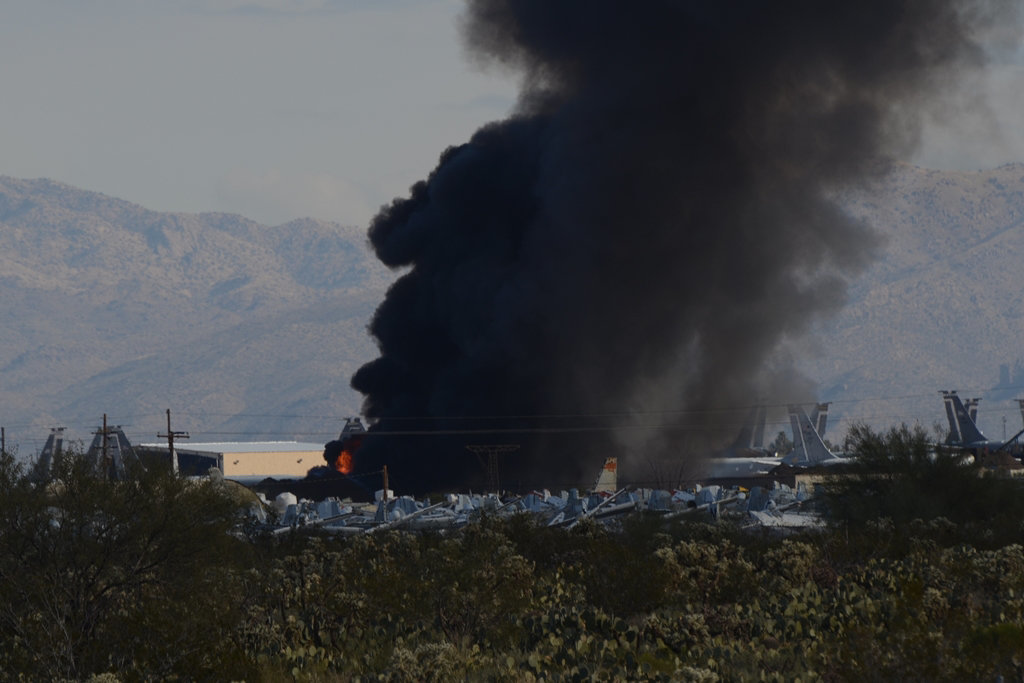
777 506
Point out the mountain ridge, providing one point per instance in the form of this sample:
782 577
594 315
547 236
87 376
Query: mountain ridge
940 308
247 330
97 285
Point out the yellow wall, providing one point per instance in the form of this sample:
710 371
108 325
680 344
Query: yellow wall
291 463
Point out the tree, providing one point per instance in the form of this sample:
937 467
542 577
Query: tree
132 576
901 475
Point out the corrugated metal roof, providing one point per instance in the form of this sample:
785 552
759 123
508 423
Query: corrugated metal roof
241 447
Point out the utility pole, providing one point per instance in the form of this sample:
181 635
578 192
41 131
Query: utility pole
105 459
492 451
170 436
3 439
105 464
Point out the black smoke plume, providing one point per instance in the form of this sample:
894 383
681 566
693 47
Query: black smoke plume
628 253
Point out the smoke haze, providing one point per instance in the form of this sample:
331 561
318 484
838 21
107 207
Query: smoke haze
638 243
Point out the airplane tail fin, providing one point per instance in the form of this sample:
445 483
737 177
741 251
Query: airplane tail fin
820 421
1020 402
608 479
814 449
969 431
353 425
972 408
52 451
954 425
798 453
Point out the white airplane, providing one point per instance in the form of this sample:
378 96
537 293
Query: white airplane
963 430
809 449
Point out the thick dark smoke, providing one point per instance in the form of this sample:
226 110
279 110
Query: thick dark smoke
639 241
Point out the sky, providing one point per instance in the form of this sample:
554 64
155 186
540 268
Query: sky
280 109
274 109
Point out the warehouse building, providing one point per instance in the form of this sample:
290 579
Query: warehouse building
244 460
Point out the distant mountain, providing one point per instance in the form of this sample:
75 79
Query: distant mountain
111 308
942 308
252 332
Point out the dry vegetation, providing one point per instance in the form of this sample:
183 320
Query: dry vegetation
920 576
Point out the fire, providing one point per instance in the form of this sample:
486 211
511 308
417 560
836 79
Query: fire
344 462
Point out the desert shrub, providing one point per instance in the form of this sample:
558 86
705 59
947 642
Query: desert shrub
902 477
132 576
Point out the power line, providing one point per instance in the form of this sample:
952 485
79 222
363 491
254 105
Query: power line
626 420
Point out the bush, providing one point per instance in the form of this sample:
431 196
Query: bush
99 575
902 477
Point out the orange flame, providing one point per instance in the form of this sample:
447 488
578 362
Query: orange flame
344 462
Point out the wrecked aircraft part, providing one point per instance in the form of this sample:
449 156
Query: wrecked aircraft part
659 501
787 520
606 506
757 499
608 479
776 507
400 519
390 512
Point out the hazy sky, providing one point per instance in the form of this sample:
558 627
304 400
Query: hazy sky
278 109
274 109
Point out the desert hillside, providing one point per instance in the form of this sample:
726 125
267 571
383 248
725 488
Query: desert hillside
238 328
942 308
252 332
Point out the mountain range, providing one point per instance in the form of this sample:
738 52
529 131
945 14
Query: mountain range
252 332
941 308
243 331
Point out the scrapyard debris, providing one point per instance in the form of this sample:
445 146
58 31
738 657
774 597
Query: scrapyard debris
776 507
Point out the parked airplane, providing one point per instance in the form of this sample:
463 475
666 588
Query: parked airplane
809 449
747 455
971 406
963 430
